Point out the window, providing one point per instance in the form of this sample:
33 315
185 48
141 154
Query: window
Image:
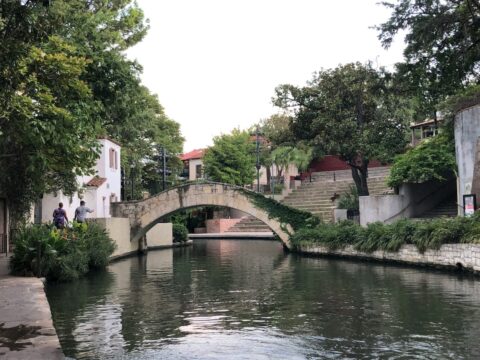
198 171
113 159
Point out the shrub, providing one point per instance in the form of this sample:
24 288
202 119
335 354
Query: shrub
428 234
349 200
60 254
433 159
329 235
180 233
376 237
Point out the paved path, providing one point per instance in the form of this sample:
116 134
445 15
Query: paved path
234 235
26 327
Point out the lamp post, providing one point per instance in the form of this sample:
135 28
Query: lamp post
164 169
258 160
132 168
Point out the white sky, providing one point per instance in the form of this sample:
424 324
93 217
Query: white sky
214 64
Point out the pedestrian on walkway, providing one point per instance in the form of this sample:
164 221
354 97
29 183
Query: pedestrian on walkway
60 217
81 212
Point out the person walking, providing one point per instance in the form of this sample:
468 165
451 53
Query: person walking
81 212
60 217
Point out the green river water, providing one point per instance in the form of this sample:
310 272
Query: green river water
246 299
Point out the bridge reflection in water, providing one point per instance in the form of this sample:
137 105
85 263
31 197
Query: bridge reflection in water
248 299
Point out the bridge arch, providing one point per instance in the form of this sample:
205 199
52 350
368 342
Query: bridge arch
144 214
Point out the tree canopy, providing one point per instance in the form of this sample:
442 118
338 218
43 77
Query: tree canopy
231 159
443 46
65 81
351 111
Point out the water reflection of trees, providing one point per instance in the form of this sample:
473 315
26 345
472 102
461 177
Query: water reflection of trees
350 308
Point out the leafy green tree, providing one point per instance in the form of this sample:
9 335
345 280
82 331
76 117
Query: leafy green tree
47 124
276 129
433 159
350 111
64 81
231 159
443 46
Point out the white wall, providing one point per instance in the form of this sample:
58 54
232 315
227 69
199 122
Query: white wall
467 133
160 235
96 198
192 169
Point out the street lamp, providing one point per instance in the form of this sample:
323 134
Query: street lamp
132 167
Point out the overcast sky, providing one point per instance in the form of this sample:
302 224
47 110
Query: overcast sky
214 64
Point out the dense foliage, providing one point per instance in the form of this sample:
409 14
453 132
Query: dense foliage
349 200
180 233
62 255
351 111
433 159
427 234
286 215
443 47
231 159
65 80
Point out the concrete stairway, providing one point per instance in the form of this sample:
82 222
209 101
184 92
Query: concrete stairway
316 196
249 224
447 208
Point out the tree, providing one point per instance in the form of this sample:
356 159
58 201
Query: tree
64 81
48 126
350 111
276 129
231 159
443 46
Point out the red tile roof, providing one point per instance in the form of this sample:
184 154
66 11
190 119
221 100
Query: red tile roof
194 154
96 181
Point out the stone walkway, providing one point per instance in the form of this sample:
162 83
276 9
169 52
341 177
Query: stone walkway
26 327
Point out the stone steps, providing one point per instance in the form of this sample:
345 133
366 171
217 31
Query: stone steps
446 209
316 196
249 224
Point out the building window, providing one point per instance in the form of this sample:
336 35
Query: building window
198 171
113 159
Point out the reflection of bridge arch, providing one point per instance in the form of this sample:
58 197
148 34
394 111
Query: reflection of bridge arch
144 214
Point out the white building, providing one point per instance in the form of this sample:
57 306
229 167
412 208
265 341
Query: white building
97 190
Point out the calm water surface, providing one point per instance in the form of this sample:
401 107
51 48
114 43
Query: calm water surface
249 300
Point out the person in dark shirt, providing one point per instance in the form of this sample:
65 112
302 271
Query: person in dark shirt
60 217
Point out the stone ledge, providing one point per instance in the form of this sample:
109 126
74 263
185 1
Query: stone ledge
452 256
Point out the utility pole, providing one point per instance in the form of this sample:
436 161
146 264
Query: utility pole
164 171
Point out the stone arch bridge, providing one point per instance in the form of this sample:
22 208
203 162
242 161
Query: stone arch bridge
144 214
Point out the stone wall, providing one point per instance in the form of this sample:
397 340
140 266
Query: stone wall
466 256
412 200
119 230
467 133
220 225
160 236
144 214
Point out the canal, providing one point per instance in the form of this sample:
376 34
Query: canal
234 299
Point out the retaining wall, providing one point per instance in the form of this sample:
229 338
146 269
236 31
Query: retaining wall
465 256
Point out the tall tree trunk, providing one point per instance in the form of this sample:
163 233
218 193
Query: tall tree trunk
360 175
269 174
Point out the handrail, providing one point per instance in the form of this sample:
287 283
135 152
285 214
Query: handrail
416 202
185 184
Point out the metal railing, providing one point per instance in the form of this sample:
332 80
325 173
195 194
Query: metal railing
3 244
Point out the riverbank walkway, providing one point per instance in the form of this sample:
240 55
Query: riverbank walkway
234 235
26 327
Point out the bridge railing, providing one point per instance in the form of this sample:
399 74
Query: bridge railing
189 183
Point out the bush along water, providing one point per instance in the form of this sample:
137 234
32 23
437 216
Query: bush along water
60 255
426 234
180 233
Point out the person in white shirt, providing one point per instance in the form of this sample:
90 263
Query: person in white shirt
81 212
